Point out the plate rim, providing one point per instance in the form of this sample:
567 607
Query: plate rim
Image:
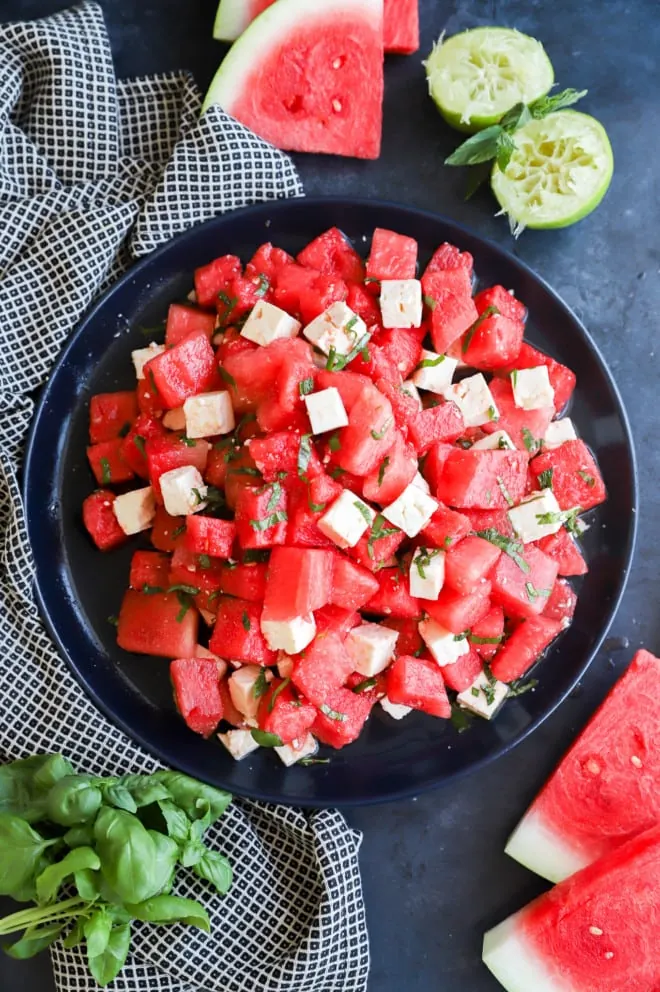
133 273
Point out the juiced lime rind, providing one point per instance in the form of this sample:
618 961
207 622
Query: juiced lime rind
559 172
475 77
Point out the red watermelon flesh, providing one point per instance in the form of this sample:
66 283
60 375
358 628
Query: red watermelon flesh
596 931
308 77
606 789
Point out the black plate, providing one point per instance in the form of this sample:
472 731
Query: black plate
78 587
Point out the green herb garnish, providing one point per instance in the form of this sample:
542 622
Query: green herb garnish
365 685
304 455
514 549
245 620
334 443
306 386
279 517
383 469
469 334
265 739
227 376
276 692
530 441
106 474
260 687
379 435
333 714
589 479
545 478
505 492
263 287
430 302
430 363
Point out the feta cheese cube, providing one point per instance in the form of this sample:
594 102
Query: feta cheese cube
434 372
396 710
346 520
445 647
558 432
427 573
239 743
474 399
421 483
532 389
410 388
337 329
209 414
175 420
183 490
325 410
290 636
500 439
241 685
525 517
412 510
135 511
371 647
268 323
289 754
401 302
483 697
143 355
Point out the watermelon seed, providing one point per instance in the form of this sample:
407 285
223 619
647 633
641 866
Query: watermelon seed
336 106
609 955
596 931
637 762
338 63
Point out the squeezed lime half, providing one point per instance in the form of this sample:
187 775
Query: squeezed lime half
476 76
559 172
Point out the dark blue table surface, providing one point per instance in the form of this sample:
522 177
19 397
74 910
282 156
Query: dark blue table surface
434 871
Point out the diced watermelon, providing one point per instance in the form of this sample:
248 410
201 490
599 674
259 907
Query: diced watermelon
401 26
469 562
319 294
490 519
562 602
100 520
453 310
184 370
237 632
362 303
197 571
449 257
393 598
484 480
397 469
524 427
524 593
562 379
404 406
402 347
352 585
210 536
333 255
261 516
336 620
418 683
167 532
378 545
133 449
267 261
305 509
183 320
525 646
111 415
165 452
107 462
283 714
245 581
148 399
461 674
370 433
458 613
300 580
281 452
565 551
392 256
157 624
322 667
409 640
487 633
446 528
215 278
277 410
605 790
341 718
504 301
437 423
196 686
149 568
434 463
495 342
576 479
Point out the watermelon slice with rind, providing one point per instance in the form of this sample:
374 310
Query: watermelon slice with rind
597 931
307 75
607 787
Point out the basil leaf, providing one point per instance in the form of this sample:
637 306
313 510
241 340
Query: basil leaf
227 376
379 435
550 104
120 797
304 455
469 334
171 909
49 881
480 147
514 549
333 714
545 478
105 967
365 685
177 823
383 469
128 854
74 799
505 148
271 521
21 851
265 739
97 930
193 797
518 116
216 869
276 692
33 942
306 386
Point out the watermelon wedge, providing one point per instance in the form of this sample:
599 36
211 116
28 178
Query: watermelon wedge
606 789
308 77
400 29
597 931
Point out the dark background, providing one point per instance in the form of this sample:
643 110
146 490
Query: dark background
434 873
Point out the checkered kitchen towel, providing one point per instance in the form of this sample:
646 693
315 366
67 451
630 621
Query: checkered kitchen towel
94 172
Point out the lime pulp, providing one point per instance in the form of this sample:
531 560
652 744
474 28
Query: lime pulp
477 76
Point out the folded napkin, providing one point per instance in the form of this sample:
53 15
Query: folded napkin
93 173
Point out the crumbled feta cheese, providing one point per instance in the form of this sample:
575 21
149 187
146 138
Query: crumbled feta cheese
532 389
183 490
421 483
436 371
371 647
337 329
410 388
396 710
289 754
445 647
239 743
558 432
412 510
474 399
241 685
401 302
135 511
267 323
289 635
346 520
483 697
175 420
427 573
143 355
525 517
500 439
209 414
325 410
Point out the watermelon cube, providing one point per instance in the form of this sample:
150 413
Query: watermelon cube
562 602
460 675
397 469
237 632
393 598
392 256
244 581
409 640
418 683
281 452
210 536
402 347
484 480
487 634
446 528
452 310
504 301
167 532
299 582
214 278
261 516
267 261
525 646
167 451
332 254
283 714
111 415
196 684
133 449
434 463
564 550
352 585
524 592
576 479
370 433
149 568
159 624
377 547
524 427
449 257
100 520
469 562
107 462
336 620
457 613
341 718
185 370
495 342
322 667
183 320
361 302
437 423
401 26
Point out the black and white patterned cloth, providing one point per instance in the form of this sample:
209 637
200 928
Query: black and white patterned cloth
93 173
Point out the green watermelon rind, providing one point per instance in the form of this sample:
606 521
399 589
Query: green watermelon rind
231 19
514 963
536 846
270 30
